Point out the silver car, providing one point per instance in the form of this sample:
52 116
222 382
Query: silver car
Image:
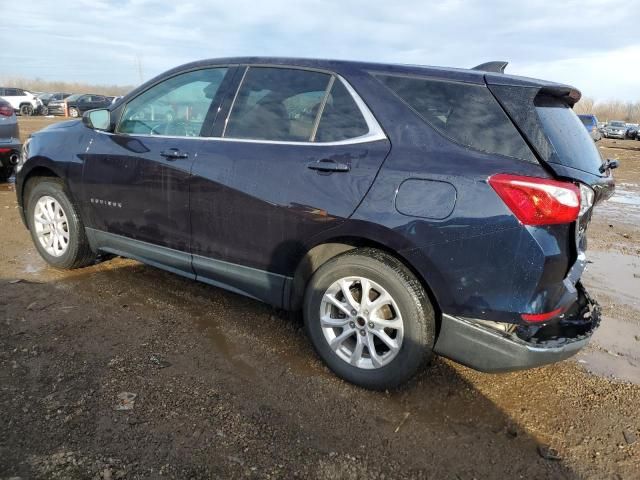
616 129
9 140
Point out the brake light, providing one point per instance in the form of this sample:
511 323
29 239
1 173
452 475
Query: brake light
538 201
541 317
6 110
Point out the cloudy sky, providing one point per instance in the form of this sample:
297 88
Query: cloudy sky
592 44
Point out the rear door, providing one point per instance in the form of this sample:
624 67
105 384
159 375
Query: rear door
297 153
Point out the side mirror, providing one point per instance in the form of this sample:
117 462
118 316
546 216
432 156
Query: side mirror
97 119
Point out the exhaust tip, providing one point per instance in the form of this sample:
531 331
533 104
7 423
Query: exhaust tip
13 158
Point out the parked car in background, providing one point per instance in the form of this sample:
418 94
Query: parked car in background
78 104
46 98
56 105
590 122
360 194
9 140
616 129
22 101
632 130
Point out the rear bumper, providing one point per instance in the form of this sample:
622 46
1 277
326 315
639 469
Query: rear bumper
476 345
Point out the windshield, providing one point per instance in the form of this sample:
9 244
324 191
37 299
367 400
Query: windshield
73 97
571 141
617 124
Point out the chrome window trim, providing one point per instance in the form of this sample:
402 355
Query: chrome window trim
375 133
325 98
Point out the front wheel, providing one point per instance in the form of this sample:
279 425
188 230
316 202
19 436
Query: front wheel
73 112
369 318
56 229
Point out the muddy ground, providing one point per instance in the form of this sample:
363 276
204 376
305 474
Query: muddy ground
227 387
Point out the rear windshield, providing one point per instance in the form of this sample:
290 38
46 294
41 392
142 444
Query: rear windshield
573 144
587 121
466 113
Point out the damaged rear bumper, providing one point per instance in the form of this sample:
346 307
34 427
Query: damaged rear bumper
477 345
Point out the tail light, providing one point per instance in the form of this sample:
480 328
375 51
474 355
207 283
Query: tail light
6 110
541 317
538 201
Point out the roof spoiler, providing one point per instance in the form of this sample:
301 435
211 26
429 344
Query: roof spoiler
569 95
496 66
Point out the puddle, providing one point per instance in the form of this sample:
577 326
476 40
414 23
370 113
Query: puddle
34 268
614 351
226 349
623 205
614 274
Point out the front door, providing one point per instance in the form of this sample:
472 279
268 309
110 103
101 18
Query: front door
137 179
297 155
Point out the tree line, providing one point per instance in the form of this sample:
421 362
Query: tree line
38 85
610 110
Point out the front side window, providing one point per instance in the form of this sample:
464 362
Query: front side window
176 107
466 113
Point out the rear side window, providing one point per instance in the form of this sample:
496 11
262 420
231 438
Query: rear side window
341 118
466 113
285 104
277 104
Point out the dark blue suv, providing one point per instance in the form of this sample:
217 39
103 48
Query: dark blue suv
404 210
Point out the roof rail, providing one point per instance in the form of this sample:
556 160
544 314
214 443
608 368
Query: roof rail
496 66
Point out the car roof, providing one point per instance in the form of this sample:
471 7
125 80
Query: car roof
353 67
346 66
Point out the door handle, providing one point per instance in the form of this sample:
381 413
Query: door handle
174 154
328 165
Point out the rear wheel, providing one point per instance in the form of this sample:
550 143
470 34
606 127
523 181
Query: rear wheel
369 318
26 109
56 229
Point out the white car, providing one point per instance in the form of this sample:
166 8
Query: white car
21 100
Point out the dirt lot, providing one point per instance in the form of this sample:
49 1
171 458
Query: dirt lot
228 388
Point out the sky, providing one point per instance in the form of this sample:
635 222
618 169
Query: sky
591 44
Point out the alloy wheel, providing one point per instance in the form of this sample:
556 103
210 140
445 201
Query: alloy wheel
361 322
51 225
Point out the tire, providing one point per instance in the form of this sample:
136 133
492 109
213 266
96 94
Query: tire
51 191
26 109
73 112
409 307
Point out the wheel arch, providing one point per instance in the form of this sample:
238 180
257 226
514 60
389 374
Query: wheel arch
40 171
328 249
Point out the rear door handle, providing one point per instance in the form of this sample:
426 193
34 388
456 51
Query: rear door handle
174 154
328 165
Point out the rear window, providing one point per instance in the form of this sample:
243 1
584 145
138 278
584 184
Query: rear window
587 120
573 144
466 113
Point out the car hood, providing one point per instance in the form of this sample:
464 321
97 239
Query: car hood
60 126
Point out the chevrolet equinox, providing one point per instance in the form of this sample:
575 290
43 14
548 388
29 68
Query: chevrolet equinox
404 210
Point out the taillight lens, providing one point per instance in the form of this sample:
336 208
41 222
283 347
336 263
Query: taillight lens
6 110
541 317
538 201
